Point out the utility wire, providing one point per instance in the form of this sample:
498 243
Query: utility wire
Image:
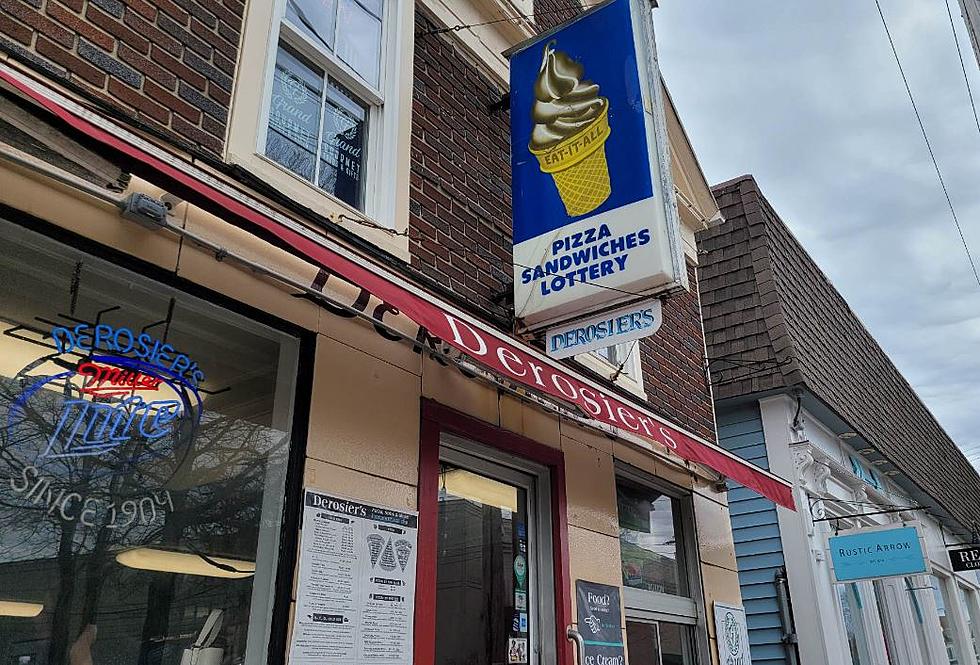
966 78
506 19
925 137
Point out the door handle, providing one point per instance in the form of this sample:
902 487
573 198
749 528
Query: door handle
576 637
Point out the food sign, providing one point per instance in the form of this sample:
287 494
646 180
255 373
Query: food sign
595 223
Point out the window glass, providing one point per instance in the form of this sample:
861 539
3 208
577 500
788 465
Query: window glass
317 18
483 576
359 38
144 436
852 607
918 615
316 128
968 599
659 643
343 145
294 115
946 622
648 538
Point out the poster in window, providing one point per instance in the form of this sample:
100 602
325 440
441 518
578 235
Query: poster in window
600 622
355 599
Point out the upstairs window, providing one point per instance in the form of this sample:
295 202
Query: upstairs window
325 89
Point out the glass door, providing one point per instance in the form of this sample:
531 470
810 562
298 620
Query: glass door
492 564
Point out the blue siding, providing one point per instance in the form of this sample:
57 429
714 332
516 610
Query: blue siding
758 547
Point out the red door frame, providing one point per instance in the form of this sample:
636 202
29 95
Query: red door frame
436 419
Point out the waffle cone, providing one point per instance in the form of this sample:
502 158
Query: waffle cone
578 166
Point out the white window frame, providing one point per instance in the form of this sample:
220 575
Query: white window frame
652 606
387 150
630 378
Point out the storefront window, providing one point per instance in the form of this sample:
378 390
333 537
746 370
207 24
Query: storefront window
968 598
659 643
946 622
918 616
852 607
648 530
144 437
489 586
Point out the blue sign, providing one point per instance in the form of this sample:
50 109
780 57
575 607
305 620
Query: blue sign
548 111
872 553
617 326
591 219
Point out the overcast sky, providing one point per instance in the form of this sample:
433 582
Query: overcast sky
806 96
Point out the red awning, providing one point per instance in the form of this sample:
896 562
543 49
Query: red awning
504 355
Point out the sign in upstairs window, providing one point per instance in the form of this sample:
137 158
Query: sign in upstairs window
316 127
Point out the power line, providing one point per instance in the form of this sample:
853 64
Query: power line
925 137
511 19
959 52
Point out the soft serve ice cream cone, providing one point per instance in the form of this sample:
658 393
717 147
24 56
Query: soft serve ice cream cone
571 125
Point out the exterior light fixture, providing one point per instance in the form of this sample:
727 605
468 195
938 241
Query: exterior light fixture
184 563
16 608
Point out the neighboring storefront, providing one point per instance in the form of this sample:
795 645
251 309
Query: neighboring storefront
236 432
804 390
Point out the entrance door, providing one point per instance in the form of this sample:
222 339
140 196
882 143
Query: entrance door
494 595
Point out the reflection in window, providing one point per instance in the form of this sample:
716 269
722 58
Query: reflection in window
968 599
483 585
143 444
348 29
659 643
913 587
946 621
852 603
648 539
316 127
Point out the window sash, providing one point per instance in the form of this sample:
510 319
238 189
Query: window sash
306 45
653 605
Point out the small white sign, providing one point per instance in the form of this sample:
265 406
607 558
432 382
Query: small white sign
607 329
733 635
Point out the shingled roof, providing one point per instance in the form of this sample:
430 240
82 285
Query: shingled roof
773 321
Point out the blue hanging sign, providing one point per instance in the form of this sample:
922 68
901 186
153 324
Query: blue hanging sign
595 223
864 554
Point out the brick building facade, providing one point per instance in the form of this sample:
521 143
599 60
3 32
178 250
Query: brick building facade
170 99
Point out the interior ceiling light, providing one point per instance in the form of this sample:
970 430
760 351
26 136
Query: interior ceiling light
16 608
184 563
466 485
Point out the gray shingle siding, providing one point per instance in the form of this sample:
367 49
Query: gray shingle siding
774 321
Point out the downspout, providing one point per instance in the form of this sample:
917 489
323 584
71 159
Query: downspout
786 616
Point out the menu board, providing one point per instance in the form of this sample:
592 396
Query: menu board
355 601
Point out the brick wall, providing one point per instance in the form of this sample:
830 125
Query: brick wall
460 216
168 63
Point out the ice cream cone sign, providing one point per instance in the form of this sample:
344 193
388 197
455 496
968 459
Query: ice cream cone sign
571 125
595 223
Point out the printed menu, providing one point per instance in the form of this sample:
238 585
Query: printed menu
355 601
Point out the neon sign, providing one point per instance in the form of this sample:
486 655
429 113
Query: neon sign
124 342
108 381
105 412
